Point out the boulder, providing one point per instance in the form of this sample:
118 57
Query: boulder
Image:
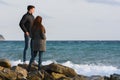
57 75
5 63
8 74
36 75
47 76
96 78
57 68
1 68
115 77
79 77
21 73
49 72
25 66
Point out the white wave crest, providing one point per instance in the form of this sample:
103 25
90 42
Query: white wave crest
83 69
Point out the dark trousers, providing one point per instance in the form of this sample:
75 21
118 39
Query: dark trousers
33 58
27 43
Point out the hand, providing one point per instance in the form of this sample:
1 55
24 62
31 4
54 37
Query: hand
27 33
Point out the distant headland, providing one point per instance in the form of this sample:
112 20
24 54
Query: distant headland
1 38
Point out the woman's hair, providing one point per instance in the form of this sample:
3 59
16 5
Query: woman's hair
37 24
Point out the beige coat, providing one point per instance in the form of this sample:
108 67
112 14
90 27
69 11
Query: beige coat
39 41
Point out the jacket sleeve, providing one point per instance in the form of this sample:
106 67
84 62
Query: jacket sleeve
43 36
22 23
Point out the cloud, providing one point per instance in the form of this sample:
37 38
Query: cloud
110 2
3 2
46 16
78 20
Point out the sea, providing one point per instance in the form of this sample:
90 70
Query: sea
85 57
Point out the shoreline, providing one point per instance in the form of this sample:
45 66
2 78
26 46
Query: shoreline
53 71
84 69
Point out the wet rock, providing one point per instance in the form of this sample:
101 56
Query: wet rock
24 66
36 75
69 72
21 73
49 72
5 63
8 74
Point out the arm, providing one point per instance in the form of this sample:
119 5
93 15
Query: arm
43 36
22 24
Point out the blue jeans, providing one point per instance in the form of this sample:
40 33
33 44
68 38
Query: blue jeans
33 58
27 43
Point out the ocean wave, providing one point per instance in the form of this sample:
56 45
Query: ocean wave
82 69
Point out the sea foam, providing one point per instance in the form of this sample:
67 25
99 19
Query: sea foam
82 69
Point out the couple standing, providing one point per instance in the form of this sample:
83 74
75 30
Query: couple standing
34 30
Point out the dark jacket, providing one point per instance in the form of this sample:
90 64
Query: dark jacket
26 22
39 41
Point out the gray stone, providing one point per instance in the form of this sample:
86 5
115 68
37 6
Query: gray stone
5 63
96 78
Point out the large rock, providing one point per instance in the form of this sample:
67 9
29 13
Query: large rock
48 76
36 75
1 38
21 73
96 78
115 77
5 63
48 72
25 66
79 77
69 72
57 75
1 68
8 74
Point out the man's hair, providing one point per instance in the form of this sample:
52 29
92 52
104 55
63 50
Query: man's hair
30 7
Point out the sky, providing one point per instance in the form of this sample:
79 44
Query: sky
64 19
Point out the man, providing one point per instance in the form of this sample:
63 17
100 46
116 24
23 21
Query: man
25 24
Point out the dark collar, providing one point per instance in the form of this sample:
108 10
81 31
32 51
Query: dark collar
29 13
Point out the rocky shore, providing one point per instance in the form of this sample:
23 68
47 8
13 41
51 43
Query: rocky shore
49 72
1 38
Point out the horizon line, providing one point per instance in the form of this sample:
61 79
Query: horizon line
66 40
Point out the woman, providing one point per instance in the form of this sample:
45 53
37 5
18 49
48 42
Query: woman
38 41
